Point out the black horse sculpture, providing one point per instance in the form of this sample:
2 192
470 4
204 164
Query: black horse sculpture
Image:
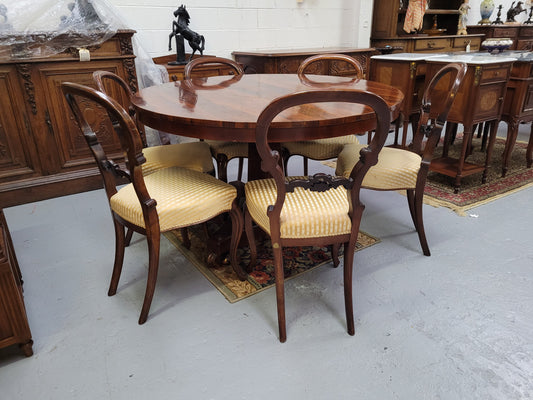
181 27
514 11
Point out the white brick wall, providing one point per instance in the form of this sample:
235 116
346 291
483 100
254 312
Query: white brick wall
230 25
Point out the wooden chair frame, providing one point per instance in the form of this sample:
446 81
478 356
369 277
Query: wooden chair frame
271 164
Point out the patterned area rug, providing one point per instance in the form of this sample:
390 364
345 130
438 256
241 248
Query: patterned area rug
298 260
473 193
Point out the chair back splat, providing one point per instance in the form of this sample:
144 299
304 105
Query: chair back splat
320 210
321 149
222 151
166 199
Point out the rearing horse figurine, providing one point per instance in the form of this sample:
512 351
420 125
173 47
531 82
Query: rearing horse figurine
181 27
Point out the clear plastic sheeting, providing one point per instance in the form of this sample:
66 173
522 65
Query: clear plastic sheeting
40 28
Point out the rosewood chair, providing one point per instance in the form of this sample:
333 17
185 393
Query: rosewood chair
319 210
321 149
399 169
164 200
222 151
192 155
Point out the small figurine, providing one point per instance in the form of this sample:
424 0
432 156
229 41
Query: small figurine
463 10
181 30
514 11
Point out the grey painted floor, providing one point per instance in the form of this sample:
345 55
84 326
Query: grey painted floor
456 325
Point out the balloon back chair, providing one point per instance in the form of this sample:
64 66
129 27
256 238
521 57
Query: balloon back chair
321 149
167 199
320 210
222 151
191 155
399 169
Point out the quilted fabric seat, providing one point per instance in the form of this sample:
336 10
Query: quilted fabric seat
184 198
192 155
305 213
320 149
396 168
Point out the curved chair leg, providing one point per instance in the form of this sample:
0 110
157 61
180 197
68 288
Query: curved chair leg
415 200
119 257
335 254
222 167
280 290
241 168
153 265
306 166
251 239
236 232
129 234
185 237
349 251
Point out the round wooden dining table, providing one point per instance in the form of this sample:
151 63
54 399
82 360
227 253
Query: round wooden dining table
227 107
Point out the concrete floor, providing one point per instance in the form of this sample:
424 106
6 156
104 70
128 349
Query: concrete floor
456 325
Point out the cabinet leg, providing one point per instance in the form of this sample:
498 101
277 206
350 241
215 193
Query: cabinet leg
512 132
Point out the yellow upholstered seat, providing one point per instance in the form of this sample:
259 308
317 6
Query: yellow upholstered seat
184 198
396 168
193 155
407 169
320 149
305 213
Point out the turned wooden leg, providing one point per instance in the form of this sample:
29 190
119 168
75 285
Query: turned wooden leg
512 133
490 147
461 162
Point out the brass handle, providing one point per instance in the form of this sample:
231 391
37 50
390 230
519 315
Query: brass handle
431 45
48 122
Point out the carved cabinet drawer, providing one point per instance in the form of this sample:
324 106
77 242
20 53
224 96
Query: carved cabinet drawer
432 44
526 44
460 43
526 31
505 33
489 74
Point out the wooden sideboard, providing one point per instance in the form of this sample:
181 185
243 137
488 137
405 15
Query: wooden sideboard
42 151
175 72
480 100
288 61
14 327
389 18
521 35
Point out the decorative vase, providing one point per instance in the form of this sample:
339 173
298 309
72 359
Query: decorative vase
486 8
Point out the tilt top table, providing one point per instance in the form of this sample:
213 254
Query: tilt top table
226 108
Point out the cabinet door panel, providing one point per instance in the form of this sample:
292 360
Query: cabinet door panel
66 138
17 153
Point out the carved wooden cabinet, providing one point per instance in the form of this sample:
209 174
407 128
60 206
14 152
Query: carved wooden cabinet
521 35
14 328
389 17
42 152
288 61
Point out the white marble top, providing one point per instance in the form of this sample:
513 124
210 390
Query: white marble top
472 58
469 58
406 56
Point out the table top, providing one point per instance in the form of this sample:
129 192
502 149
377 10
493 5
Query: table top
227 107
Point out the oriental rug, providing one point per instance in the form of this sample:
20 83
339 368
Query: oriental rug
298 260
473 193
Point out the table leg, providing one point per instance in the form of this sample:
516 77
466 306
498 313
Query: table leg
490 147
529 153
461 161
512 133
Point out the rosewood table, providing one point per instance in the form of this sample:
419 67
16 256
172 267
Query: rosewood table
227 108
